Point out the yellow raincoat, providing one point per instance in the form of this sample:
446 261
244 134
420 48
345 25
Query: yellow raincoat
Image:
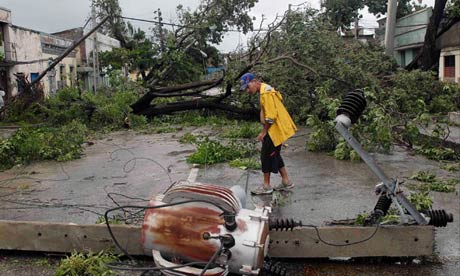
272 109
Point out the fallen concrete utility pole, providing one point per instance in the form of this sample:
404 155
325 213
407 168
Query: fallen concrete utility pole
391 240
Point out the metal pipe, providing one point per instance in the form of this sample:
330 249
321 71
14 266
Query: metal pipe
68 51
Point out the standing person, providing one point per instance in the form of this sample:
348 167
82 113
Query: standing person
277 128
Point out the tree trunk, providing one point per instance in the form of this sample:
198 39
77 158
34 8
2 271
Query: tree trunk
145 101
428 56
210 104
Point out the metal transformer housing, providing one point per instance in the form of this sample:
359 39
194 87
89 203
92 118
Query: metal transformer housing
176 232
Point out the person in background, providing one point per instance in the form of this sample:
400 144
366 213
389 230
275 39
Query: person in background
278 126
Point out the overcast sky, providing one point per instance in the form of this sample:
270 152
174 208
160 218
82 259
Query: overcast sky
57 15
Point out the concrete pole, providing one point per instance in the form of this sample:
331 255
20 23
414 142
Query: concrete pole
390 27
95 72
160 26
356 28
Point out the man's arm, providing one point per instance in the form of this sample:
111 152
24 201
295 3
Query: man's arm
266 124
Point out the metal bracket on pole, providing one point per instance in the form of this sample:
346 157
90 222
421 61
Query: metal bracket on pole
389 185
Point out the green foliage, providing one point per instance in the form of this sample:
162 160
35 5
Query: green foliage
342 12
80 264
361 218
424 176
107 108
405 7
115 219
219 16
188 138
136 121
323 136
342 151
211 152
390 218
453 167
279 199
246 163
242 130
421 200
453 9
432 183
438 153
194 118
45 143
398 101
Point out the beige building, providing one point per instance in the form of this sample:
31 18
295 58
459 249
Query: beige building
449 61
89 69
28 52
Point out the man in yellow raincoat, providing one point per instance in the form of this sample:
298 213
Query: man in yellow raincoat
277 128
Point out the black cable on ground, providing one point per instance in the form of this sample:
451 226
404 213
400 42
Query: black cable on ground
213 258
128 267
148 208
344 244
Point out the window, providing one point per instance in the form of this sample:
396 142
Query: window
71 74
403 57
34 76
449 66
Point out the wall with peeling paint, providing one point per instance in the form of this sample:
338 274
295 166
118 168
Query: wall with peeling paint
32 51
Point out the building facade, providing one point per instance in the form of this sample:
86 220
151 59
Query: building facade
409 37
89 70
28 52
449 61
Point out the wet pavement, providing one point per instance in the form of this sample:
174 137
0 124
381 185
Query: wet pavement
141 165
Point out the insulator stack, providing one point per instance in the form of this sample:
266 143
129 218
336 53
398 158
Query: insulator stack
283 224
383 204
353 105
439 218
380 210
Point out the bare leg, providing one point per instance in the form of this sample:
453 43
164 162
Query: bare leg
267 180
284 176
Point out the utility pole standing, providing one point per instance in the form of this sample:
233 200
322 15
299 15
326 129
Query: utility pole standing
390 27
160 29
95 52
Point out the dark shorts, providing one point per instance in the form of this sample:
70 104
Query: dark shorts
271 156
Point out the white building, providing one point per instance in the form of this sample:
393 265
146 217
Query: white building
28 52
87 62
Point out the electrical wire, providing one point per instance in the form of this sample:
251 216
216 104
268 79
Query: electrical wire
125 252
149 208
181 26
213 258
119 266
344 244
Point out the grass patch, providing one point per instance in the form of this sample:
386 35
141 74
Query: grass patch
439 153
242 130
246 163
211 152
193 118
454 167
188 138
44 143
432 183
86 264
115 219
421 200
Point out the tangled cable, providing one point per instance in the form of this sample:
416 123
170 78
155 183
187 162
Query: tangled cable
125 252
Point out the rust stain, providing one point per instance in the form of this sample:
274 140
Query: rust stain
180 230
